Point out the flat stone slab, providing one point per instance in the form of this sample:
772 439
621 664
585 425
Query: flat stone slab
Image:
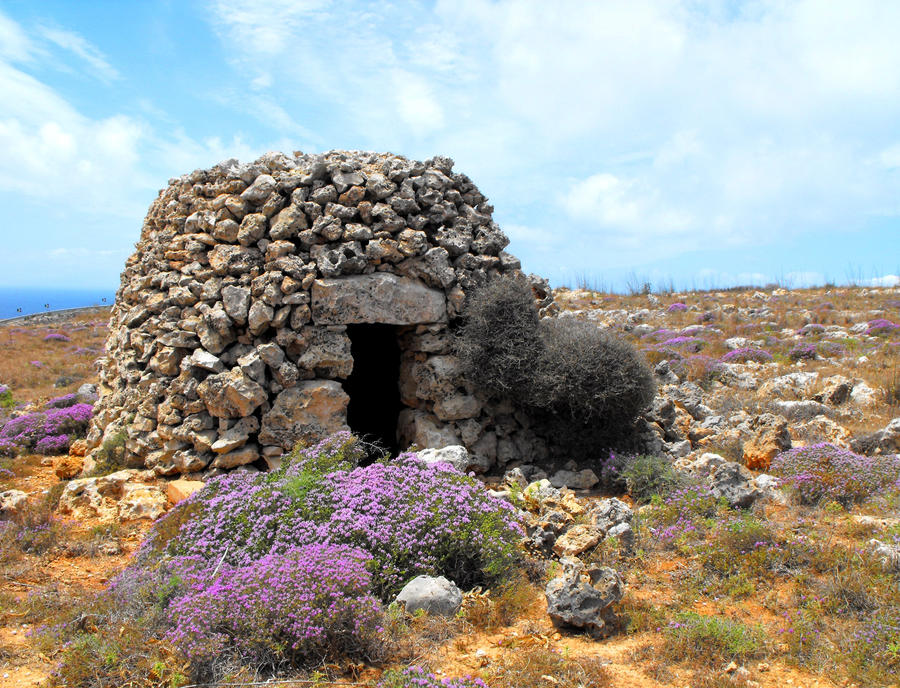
378 298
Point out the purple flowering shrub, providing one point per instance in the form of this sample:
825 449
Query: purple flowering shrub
56 337
747 353
803 352
676 307
417 677
45 432
874 652
687 343
881 326
741 543
825 471
288 566
307 604
684 515
410 517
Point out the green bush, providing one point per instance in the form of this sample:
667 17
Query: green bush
581 386
642 475
712 640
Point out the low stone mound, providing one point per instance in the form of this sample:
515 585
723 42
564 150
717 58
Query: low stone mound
299 295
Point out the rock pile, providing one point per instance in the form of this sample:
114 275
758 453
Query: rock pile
229 337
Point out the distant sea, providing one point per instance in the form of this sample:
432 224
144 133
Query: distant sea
16 301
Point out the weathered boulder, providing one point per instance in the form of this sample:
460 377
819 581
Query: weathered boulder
770 436
67 467
437 596
124 495
231 395
12 503
312 409
576 480
455 455
583 596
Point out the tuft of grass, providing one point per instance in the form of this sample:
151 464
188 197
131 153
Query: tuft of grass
529 667
711 640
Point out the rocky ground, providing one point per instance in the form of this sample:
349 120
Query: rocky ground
757 590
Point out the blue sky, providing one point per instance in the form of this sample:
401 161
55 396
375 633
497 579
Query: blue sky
698 143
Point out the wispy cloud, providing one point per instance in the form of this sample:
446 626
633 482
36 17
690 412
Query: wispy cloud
79 46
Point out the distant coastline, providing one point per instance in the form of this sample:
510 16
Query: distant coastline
16 301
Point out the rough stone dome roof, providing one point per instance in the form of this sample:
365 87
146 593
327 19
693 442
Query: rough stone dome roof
230 338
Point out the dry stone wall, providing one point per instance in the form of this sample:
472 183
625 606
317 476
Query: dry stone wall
228 340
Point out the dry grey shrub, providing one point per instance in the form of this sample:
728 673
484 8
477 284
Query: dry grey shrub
581 387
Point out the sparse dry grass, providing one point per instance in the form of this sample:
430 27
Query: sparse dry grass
63 366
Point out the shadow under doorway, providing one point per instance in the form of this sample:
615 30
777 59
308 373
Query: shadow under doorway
374 385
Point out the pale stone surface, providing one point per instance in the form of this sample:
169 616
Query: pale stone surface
424 430
770 437
12 502
178 490
377 298
237 457
433 595
456 456
311 409
231 395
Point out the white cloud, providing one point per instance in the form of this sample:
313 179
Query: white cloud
14 44
612 202
83 49
416 105
885 281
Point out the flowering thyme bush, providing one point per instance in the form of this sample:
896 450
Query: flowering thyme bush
56 337
874 651
287 566
676 307
684 515
45 432
826 471
687 343
803 352
747 353
741 543
417 677
412 518
307 604
881 326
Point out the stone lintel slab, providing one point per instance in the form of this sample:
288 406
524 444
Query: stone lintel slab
377 298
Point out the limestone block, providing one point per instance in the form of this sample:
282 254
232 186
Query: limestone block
377 298
231 395
310 410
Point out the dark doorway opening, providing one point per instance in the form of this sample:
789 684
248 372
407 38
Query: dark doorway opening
374 384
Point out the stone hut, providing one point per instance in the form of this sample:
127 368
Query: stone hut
295 296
